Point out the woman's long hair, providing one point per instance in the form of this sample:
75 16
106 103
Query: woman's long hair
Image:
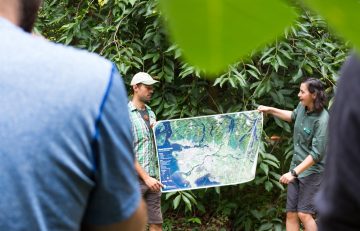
317 87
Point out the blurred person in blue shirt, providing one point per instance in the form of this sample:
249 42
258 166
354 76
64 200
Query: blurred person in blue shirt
66 157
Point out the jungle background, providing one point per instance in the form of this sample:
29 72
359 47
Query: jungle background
131 33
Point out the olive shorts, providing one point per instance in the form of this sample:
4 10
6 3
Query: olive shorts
153 202
301 193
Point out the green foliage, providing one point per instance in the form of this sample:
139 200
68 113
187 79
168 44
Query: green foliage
130 33
213 34
223 31
126 31
185 199
342 16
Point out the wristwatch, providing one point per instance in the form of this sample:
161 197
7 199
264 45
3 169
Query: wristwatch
293 173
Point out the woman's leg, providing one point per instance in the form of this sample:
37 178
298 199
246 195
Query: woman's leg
308 221
292 221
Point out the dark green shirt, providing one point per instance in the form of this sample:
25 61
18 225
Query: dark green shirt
310 138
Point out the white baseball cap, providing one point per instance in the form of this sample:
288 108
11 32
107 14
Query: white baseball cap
142 77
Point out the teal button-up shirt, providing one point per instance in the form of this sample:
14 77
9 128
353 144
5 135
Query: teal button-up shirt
310 138
144 145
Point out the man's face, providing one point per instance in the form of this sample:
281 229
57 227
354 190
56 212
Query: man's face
143 92
28 13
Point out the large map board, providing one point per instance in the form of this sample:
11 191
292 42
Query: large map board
208 151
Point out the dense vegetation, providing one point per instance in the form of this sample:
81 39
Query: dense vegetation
131 34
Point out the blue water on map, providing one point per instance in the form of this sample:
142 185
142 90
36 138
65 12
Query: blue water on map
232 124
171 177
205 181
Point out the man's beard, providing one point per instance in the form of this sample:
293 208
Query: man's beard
29 10
145 99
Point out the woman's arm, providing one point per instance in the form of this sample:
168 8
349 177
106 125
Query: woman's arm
279 113
307 163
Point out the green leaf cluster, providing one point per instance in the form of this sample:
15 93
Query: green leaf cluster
224 31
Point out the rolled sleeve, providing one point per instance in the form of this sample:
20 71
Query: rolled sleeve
319 142
295 113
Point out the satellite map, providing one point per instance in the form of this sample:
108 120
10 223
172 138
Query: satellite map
208 151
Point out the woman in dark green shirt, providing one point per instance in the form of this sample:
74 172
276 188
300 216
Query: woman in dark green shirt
310 136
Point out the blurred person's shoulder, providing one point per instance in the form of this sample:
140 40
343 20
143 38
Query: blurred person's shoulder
50 57
45 62
70 59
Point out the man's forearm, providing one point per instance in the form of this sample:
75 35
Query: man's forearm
141 172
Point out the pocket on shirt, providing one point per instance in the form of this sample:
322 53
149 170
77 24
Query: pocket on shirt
307 135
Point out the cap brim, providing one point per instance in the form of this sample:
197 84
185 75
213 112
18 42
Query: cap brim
149 82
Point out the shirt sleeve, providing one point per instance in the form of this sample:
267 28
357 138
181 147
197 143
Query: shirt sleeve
295 113
319 140
116 195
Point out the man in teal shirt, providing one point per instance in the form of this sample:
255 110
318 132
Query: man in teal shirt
310 136
143 119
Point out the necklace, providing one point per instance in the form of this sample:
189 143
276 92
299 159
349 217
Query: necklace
144 114
146 117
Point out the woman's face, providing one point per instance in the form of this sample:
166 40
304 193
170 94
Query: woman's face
306 98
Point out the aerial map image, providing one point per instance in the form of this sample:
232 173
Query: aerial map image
208 151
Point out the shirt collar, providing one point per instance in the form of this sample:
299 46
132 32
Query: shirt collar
313 112
307 111
133 108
